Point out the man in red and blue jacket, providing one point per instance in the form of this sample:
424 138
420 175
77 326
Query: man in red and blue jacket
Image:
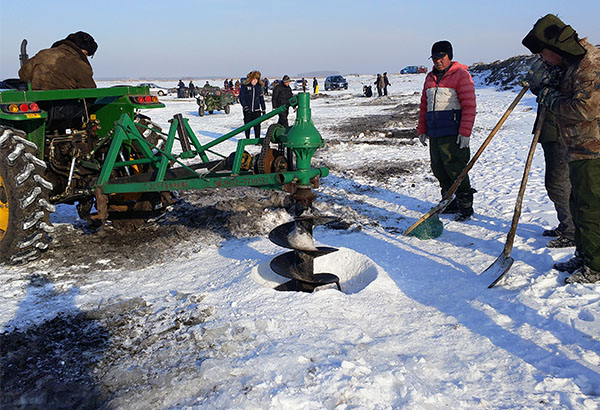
446 118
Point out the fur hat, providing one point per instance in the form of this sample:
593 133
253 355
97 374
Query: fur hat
551 33
252 75
84 41
441 48
285 78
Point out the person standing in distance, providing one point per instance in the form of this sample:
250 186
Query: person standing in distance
281 96
446 116
252 101
386 83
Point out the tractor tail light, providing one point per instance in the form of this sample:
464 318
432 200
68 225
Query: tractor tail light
13 108
34 107
154 99
140 99
147 99
23 107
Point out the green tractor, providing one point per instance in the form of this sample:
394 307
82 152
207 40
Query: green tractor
115 164
212 98
49 156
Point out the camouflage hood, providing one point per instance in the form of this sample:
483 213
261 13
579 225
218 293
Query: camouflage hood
551 33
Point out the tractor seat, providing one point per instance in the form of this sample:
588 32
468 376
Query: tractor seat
63 114
13 84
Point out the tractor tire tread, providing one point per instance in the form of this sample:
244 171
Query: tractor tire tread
28 192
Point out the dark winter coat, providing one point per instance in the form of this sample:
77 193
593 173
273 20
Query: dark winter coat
63 66
251 97
281 95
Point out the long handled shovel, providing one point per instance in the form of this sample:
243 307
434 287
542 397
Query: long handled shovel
503 263
449 195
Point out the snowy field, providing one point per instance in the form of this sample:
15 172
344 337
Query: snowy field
198 327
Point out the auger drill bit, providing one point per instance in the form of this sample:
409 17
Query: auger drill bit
298 265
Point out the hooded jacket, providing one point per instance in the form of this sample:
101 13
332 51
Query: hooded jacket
63 66
251 97
578 111
448 104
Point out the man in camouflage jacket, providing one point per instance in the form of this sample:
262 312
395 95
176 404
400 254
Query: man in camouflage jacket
576 105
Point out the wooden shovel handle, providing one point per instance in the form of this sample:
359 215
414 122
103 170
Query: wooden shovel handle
510 238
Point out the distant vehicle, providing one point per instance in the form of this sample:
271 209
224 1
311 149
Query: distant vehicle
297 85
213 98
413 69
335 82
155 89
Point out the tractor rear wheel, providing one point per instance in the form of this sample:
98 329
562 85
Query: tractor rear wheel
24 207
227 109
201 110
151 131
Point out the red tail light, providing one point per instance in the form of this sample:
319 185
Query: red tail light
140 99
147 99
34 107
23 107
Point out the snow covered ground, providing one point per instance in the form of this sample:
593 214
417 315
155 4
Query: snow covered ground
197 326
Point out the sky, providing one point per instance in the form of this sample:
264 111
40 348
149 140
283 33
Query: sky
196 39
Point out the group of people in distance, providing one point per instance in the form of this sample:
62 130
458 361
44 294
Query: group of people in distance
566 81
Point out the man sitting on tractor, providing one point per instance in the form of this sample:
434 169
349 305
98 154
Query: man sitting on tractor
65 65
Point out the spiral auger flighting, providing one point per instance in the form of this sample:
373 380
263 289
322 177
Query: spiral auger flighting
298 264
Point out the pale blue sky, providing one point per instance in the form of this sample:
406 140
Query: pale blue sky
153 38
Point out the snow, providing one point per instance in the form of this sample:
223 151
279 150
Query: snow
414 326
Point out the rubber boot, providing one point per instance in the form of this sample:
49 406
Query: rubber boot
571 265
585 274
464 200
452 207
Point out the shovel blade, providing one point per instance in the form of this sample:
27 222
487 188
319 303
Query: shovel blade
499 268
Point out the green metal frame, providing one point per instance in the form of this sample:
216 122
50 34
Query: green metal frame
302 138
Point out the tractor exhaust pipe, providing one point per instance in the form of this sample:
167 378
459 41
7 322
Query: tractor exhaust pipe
23 57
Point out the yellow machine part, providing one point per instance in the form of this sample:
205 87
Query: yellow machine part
4 210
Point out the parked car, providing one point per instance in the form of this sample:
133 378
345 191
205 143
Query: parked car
411 69
335 82
297 84
155 89
414 69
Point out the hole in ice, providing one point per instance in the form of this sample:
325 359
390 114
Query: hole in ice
355 270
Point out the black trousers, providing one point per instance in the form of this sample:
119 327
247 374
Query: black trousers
283 120
558 185
250 116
